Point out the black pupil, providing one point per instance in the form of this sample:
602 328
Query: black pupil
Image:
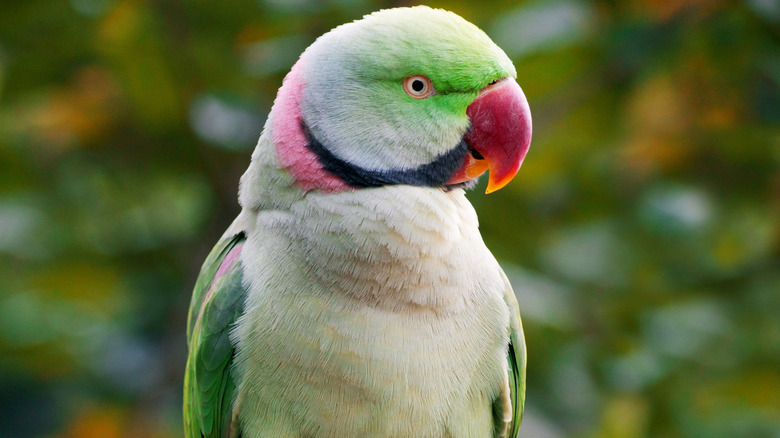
418 85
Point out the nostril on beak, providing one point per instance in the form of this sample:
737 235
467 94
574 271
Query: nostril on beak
475 153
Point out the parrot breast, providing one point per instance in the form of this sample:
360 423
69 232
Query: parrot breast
388 321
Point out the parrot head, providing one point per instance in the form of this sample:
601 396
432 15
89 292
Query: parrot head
414 96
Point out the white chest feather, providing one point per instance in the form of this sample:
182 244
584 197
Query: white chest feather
370 314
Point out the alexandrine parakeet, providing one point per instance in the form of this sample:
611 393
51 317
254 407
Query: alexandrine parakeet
353 296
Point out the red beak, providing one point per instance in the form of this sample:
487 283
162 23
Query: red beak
500 133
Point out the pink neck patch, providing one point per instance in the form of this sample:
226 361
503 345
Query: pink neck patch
287 135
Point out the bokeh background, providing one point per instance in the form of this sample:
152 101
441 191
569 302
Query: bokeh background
642 234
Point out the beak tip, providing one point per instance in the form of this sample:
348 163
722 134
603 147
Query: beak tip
496 184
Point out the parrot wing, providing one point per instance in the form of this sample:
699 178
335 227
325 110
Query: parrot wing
516 361
217 302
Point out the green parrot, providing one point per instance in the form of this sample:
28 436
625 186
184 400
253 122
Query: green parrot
353 296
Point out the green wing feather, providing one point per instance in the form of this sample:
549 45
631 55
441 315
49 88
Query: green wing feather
209 384
516 360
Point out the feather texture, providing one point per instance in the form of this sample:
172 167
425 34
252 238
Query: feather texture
372 313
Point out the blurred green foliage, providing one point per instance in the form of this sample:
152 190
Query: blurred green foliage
642 234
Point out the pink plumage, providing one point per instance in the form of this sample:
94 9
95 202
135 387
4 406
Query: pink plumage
290 141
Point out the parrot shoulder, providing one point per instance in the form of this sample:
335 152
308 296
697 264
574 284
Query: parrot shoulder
217 302
508 408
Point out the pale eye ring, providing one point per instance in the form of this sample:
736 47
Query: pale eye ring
419 87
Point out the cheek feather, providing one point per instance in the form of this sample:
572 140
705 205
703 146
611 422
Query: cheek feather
287 135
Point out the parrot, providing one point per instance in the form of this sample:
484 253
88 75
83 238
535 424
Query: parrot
353 295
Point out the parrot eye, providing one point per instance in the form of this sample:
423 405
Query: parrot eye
418 87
